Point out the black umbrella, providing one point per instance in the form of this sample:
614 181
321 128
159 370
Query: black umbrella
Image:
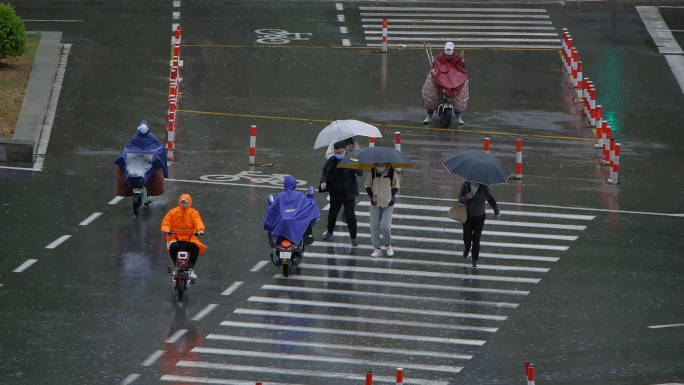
366 158
476 166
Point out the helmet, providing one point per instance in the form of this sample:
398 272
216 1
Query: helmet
143 128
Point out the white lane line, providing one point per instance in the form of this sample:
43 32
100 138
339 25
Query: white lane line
91 218
339 7
377 321
176 15
458 27
489 46
131 377
176 336
58 241
298 372
658 29
173 27
503 212
328 360
441 9
203 313
387 295
454 33
418 273
115 200
483 243
418 286
449 252
231 289
470 39
424 263
497 222
676 63
152 358
344 30
374 308
665 326
18 168
55 21
463 16
460 231
176 4
355 333
327 207
340 18
24 265
457 21
260 265
423 353
345 43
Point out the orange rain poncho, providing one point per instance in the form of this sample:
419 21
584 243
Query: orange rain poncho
183 223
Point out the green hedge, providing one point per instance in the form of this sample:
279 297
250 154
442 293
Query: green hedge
12 32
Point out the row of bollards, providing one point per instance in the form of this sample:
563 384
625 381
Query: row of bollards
174 94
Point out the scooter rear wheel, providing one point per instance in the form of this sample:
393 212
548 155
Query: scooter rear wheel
180 287
286 270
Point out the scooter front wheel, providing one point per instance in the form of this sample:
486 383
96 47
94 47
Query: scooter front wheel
137 202
286 270
445 120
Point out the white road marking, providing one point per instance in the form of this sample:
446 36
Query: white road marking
91 218
176 4
344 30
173 27
345 43
418 273
658 29
340 18
445 209
215 381
457 21
176 336
18 168
460 231
298 372
203 313
58 241
424 262
470 39
176 15
455 33
374 308
458 27
483 243
355 333
223 337
24 265
449 252
492 46
378 321
231 289
339 7
441 10
329 360
152 358
665 326
463 16
55 21
676 63
279 288
115 200
131 377
260 265
418 286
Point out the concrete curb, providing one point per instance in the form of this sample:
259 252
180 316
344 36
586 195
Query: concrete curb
27 132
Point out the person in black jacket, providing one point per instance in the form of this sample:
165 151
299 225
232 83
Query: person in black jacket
343 188
473 195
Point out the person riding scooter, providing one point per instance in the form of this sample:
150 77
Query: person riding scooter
449 74
179 225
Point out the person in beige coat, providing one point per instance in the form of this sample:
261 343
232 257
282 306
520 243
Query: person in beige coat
382 184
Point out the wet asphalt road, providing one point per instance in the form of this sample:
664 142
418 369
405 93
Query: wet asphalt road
591 281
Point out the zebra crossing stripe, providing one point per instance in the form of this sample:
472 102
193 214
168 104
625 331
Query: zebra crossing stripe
279 341
206 380
460 231
448 252
462 16
454 33
458 242
335 360
441 9
355 333
458 21
387 295
378 321
299 372
470 39
374 308
418 273
419 286
424 263
458 27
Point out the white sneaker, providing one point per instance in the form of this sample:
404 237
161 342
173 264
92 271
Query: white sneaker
376 253
460 121
389 250
428 120
192 274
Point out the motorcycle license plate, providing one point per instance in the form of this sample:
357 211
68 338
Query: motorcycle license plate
285 255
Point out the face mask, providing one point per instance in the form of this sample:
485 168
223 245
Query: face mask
339 156
449 52
474 185
380 169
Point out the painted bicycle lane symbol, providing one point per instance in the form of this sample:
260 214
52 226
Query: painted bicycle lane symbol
252 177
279 36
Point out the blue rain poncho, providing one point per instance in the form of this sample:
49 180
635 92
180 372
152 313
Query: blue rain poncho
291 213
142 157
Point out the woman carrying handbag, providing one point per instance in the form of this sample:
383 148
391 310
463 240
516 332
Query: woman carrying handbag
473 196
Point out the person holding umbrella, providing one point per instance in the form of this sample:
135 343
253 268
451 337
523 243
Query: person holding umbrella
473 196
382 184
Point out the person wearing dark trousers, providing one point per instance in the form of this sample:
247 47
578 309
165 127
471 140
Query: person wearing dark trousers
343 188
473 196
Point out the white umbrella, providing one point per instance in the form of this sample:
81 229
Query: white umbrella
343 129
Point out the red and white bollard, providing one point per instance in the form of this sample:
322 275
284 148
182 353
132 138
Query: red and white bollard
371 141
169 151
599 134
252 145
518 159
171 131
369 378
176 50
592 105
598 116
568 57
573 66
585 96
607 134
565 46
580 83
530 375
258 383
397 143
615 162
177 36
384 35
486 145
400 376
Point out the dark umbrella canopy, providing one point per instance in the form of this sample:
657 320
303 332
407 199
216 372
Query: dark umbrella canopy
366 158
476 166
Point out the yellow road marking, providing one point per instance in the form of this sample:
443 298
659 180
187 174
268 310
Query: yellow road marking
389 125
